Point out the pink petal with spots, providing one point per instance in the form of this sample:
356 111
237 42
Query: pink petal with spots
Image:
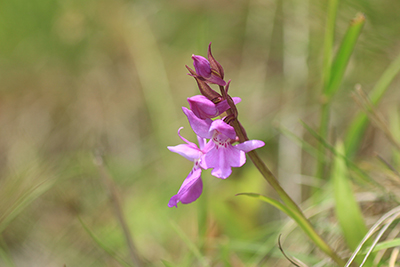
223 128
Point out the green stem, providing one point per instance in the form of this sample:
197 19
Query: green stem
323 132
297 213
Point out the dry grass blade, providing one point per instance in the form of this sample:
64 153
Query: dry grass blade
114 196
393 257
295 262
389 217
388 165
365 103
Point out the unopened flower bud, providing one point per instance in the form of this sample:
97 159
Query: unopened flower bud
202 66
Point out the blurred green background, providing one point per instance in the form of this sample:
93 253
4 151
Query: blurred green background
79 78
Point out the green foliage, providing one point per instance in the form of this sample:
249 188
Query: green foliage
347 208
342 57
85 77
359 124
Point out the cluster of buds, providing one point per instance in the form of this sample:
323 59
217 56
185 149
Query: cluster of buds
216 137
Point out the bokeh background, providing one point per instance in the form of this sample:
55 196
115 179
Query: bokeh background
91 95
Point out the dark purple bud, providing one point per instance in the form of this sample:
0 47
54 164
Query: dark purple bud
216 79
202 66
204 88
215 66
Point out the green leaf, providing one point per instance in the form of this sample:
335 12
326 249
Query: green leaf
360 122
271 201
302 221
384 245
343 54
329 39
347 210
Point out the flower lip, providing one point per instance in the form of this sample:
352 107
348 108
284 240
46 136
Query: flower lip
190 190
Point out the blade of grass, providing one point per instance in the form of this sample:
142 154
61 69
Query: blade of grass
152 73
385 220
271 201
116 201
302 143
327 68
5 254
374 116
343 54
383 245
394 123
103 246
364 176
192 247
26 199
335 78
347 209
329 39
358 126
304 224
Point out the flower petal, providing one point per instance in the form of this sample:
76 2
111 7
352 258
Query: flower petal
216 159
223 128
249 145
216 79
190 190
199 126
202 107
202 142
236 100
235 157
187 151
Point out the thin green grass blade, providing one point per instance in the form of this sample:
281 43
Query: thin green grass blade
301 221
192 247
5 254
361 174
271 201
302 143
104 246
395 130
333 79
26 199
383 245
360 122
347 209
343 54
329 39
327 74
